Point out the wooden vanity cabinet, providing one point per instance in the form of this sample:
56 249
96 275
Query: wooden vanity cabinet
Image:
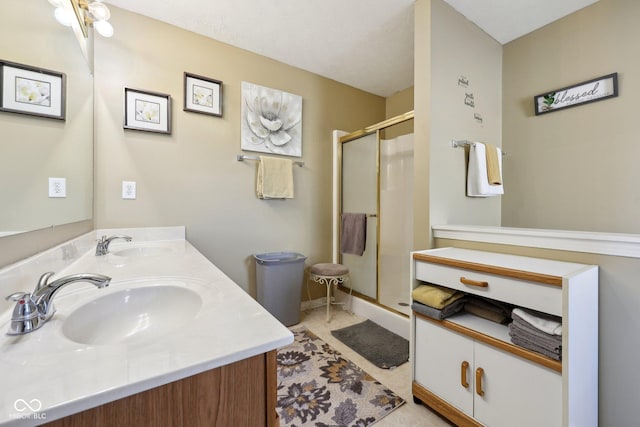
467 369
239 394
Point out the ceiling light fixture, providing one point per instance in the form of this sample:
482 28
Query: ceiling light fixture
89 13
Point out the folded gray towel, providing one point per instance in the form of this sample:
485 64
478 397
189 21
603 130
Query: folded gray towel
556 355
525 329
548 343
439 314
354 233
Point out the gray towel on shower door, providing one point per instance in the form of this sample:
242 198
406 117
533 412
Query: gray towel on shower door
354 233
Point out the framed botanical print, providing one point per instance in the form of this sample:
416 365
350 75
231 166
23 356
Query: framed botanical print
147 111
31 90
202 95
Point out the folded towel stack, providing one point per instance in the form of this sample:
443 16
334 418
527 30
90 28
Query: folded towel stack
437 302
538 332
489 309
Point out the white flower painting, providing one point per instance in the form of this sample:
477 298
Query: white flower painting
271 121
148 112
33 92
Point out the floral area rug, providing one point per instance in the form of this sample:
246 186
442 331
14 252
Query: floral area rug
318 387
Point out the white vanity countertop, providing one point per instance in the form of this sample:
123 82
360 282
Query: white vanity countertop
46 372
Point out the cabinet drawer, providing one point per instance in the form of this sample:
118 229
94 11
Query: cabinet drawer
523 293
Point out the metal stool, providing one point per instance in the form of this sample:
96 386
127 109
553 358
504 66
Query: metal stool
330 274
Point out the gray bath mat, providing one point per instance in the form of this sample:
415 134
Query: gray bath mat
378 345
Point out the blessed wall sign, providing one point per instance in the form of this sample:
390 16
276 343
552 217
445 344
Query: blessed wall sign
590 91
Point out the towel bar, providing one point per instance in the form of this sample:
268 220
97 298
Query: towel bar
242 157
465 143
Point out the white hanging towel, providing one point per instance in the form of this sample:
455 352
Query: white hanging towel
477 178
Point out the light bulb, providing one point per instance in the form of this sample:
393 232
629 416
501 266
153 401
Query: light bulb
99 11
62 17
104 28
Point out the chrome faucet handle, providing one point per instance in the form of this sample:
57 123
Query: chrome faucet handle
25 316
43 281
17 296
25 308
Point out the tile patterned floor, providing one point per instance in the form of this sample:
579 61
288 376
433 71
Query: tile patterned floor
398 379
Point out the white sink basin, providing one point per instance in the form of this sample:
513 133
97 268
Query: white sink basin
141 251
132 315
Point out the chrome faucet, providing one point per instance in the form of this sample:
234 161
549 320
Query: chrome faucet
103 243
32 310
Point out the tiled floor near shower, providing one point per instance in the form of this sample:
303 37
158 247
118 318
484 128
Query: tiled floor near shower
398 379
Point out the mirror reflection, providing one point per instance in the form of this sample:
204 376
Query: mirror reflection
34 149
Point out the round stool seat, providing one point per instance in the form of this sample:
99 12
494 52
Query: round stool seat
331 275
329 269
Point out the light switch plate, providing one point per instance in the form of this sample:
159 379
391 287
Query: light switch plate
57 187
128 189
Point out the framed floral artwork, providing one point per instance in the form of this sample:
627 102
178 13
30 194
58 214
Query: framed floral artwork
271 121
202 95
147 111
30 90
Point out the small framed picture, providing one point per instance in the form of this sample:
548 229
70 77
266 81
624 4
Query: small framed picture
30 90
202 95
147 111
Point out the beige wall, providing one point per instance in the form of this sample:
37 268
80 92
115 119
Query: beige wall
447 46
421 123
192 177
574 169
460 48
399 103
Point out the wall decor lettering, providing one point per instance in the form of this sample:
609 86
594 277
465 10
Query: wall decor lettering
582 93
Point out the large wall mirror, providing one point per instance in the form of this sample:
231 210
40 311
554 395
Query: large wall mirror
34 149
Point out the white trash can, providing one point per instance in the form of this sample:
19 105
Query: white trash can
279 280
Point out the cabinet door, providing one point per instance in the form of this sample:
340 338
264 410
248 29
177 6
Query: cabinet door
439 356
516 392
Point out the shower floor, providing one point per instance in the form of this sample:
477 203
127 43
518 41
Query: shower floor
396 299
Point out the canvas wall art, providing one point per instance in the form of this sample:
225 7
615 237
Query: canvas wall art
271 121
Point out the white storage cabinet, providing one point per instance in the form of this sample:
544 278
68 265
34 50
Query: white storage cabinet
466 367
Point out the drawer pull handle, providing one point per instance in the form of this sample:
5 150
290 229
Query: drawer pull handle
479 373
463 374
477 283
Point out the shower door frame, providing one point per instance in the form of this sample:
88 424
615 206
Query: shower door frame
377 129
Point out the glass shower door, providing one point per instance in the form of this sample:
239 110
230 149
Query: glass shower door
360 195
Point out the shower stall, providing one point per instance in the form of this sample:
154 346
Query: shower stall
375 177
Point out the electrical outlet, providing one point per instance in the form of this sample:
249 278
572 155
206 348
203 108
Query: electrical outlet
57 187
128 189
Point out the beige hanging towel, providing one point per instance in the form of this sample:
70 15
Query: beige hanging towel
494 174
275 178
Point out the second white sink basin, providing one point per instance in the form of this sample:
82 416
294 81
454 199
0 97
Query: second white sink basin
132 315
142 251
